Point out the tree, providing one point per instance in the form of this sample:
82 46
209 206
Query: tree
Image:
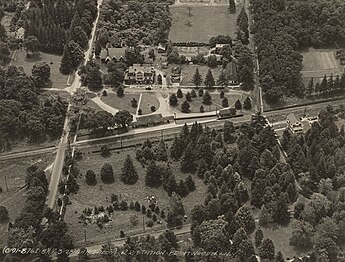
129 174
123 118
107 174
238 105
197 78
4 52
259 236
71 57
153 175
266 250
209 80
40 74
207 99
201 92
188 97
242 246
190 183
247 103
3 214
173 100
120 92
225 102
31 44
79 36
193 93
185 107
229 132
90 178
310 87
245 219
302 234
222 80
100 121
179 93
232 6
202 110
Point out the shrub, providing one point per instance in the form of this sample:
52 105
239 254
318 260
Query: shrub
105 151
137 206
107 174
122 234
149 213
124 205
153 108
90 178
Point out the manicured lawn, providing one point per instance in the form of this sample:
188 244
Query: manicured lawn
204 22
89 196
215 105
58 80
148 100
121 103
14 199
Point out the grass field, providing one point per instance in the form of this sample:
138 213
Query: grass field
280 236
121 103
216 102
15 173
58 80
148 100
89 196
204 22
317 63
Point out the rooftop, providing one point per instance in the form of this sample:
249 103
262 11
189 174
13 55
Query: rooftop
291 118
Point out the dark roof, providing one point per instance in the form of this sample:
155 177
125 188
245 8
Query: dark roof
292 119
231 70
149 119
113 52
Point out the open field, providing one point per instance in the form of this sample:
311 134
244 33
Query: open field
317 63
216 102
204 22
58 80
148 100
121 103
89 196
15 173
280 236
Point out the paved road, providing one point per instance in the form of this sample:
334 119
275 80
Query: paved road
60 156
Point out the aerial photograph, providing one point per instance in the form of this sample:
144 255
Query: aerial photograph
172 130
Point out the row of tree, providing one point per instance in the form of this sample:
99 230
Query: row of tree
327 85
